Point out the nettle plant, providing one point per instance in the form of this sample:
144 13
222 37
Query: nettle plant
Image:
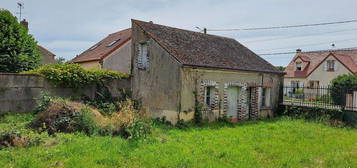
74 76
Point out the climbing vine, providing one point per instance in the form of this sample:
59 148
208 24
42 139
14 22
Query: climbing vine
74 76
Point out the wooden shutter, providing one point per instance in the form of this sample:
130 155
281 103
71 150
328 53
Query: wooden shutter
335 65
139 57
144 58
325 66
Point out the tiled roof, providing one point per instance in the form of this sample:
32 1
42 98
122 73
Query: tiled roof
347 57
45 51
103 48
203 50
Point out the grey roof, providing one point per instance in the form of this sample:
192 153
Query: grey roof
204 50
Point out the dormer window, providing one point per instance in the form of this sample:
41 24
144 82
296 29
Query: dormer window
298 66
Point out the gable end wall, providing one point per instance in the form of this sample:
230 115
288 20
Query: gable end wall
157 87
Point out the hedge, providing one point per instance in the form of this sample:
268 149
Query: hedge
74 76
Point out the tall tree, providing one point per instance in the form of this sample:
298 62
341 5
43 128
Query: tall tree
280 68
18 49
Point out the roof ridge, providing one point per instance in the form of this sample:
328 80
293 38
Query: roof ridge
331 50
135 20
119 31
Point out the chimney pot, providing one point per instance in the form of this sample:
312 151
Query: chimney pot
298 50
151 22
25 23
205 30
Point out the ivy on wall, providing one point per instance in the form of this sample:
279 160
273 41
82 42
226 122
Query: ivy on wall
74 76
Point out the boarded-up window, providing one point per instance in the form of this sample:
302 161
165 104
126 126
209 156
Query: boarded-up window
265 97
209 95
143 59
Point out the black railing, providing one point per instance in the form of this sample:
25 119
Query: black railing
324 97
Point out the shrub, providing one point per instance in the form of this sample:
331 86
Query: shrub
138 129
128 122
104 101
14 132
341 86
43 102
314 113
74 76
67 116
20 138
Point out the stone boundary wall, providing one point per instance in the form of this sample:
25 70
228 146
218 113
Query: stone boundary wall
18 92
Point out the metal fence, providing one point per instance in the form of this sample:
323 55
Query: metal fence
324 97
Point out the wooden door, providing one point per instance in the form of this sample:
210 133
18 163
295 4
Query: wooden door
232 96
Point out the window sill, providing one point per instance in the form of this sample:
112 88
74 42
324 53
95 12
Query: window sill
265 108
330 70
142 68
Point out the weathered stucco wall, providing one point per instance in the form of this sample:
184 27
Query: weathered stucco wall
90 64
158 86
119 60
18 92
192 80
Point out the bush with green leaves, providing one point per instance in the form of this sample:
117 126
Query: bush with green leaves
138 129
62 115
14 132
332 116
65 116
18 49
43 102
341 86
74 76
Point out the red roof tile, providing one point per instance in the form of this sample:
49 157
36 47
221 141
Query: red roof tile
347 57
103 48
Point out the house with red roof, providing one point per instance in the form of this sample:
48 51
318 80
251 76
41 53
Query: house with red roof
178 73
318 68
113 53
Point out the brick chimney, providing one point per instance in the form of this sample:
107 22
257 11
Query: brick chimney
298 50
25 23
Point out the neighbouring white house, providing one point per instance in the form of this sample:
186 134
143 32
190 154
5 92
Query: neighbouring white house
318 68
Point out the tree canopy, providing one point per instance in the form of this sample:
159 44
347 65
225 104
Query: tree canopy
18 49
342 85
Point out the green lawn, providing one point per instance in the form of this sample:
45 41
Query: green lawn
282 142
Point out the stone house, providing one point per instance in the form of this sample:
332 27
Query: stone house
173 69
317 68
113 53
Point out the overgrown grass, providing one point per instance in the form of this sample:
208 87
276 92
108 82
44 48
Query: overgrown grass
281 142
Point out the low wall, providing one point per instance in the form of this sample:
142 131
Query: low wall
18 92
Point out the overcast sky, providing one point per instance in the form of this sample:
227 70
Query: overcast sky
68 27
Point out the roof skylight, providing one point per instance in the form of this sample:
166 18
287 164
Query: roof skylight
112 43
94 47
